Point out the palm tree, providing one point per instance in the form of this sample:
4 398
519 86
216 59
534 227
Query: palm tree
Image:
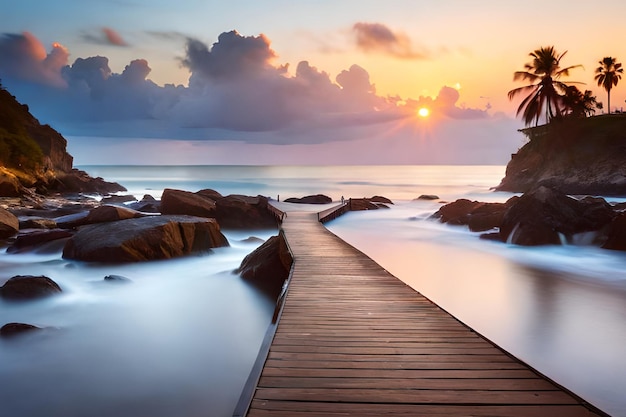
607 75
579 104
544 89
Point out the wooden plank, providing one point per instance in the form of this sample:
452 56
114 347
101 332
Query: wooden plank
353 340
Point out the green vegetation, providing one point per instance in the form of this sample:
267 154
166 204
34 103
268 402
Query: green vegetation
608 75
17 148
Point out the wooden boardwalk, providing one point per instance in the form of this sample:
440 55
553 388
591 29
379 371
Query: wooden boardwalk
352 340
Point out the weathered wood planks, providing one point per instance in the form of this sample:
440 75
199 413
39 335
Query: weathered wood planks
352 340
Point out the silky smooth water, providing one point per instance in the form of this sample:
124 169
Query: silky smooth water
181 338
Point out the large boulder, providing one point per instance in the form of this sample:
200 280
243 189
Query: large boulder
186 202
9 224
616 234
147 204
27 287
544 216
477 215
310 199
144 238
244 212
268 266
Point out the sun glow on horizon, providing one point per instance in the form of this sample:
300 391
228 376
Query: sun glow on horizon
423 112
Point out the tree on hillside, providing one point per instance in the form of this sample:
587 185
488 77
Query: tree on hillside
608 75
579 104
545 90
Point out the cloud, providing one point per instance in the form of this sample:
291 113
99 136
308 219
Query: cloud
24 56
105 36
236 92
376 37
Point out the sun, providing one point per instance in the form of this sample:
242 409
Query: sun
423 112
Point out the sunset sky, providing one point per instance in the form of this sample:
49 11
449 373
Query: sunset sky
293 82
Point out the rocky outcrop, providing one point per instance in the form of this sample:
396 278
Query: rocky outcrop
143 239
35 155
147 204
573 156
28 287
310 199
9 224
540 217
268 266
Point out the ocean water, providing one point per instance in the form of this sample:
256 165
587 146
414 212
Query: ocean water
181 338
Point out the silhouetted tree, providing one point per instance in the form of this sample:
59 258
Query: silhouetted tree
608 75
545 89
579 104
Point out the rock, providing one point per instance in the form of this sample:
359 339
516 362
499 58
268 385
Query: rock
117 279
147 204
37 223
358 204
107 213
9 184
16 329
77 181
243 212
144 238
428 197
210 194
32 240
381 199
118 199
9 224
544 216
72 221
187 203
310 199
268 266
457 212
252 239
581 156
27 287
616 234
487 216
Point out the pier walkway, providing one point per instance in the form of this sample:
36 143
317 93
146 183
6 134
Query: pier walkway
353 340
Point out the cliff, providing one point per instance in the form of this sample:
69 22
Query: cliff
573 156
35 155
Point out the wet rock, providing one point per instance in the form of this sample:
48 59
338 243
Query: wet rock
428 197
244 212
210 194
147 204
9 224
359 204
616 233
310 199
27 287
544 216
268 266
143 239
252 239
77 181
187 203
457 212
118 199
117 279
108 213
33 240
381 199
15 329
37 223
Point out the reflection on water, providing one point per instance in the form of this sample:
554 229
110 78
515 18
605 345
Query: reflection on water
179 340
571 327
